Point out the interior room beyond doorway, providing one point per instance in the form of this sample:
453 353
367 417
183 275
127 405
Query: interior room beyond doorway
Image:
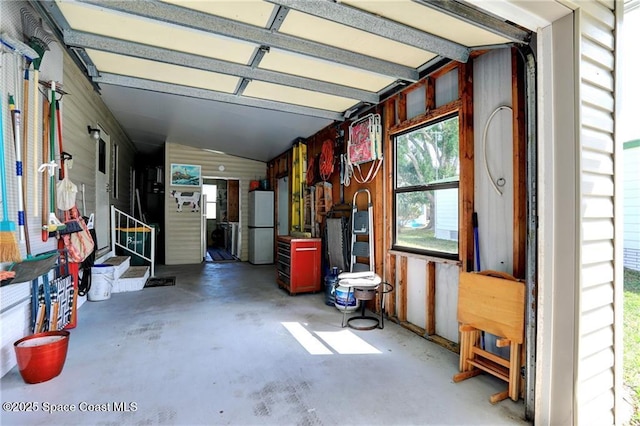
222 219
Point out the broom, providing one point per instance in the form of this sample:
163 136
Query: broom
9 250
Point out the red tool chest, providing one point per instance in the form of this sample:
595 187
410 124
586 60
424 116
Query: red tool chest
298 264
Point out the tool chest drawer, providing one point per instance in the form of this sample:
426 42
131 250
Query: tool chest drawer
298 264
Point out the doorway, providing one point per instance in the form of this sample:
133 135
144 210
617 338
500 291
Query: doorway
221 225
103 190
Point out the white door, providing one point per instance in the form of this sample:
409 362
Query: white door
283 206
103 189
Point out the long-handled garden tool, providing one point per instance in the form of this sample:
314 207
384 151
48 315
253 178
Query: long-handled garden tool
9 249
16 116
47 169
25 151
53 224
20 51
39 39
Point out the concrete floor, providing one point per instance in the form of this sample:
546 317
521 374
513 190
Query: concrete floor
217 349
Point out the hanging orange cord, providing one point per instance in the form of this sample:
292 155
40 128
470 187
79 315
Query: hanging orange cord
326 160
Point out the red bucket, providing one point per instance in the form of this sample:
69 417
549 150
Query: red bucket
253 185
41 356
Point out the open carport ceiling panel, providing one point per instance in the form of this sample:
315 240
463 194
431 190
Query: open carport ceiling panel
291 63
252 12
292 95
157 71
323 31
92 19
428 20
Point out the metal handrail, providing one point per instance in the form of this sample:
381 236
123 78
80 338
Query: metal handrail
132 230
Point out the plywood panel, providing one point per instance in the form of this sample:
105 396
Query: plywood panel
495 305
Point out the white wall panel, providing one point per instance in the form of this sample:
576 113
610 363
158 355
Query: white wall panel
416 291
447 301
492 89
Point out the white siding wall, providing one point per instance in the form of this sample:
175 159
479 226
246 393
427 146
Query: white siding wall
82 106
632 205
595 381
183 230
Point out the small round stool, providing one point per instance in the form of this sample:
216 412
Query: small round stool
363 294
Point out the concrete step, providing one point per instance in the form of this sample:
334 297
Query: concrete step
120 263
133 279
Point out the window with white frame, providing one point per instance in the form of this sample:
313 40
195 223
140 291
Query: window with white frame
427 175
211 192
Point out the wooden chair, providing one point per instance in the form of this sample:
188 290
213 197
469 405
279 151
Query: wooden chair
492 302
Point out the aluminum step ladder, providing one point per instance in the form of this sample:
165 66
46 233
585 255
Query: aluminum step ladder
362 235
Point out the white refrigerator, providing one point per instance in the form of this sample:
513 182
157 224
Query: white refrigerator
261 229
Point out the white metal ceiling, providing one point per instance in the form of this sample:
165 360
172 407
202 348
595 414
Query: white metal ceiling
299 58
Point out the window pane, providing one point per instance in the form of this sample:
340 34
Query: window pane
447 88
416 102
428 155
428 220
211 192
211 210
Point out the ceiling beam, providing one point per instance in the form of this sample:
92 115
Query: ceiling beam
171 14
193 92
379 26
137 50
474 16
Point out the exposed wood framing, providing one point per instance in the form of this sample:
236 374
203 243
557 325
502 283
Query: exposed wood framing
402 290
421 119
519 166
390 277
402 107
465 235
430 303
430 99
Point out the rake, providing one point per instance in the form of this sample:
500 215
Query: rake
39 39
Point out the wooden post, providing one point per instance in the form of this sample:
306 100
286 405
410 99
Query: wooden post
402 284
465 241
430 326
391 278
519 166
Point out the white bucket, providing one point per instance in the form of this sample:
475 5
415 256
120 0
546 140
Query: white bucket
101 283
341 302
